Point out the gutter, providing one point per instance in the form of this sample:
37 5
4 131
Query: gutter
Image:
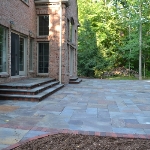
60 42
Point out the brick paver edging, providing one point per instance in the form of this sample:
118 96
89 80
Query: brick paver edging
56 131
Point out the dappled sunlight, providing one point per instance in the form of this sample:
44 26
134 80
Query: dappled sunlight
57 28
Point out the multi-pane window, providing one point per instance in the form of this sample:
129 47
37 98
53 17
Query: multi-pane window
26 1
31 55
71 31
2 49
43 25
43 58
68 29
21 55
75 36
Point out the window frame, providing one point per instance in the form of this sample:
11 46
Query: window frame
38 59
39 27
6 49
25 47
31 54
68 29
72 30
26 2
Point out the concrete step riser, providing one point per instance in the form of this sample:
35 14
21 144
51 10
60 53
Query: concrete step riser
73 79
34 99
23 87
75 82
28 92
20 90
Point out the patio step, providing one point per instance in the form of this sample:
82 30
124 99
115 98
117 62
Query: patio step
33 91
26 83
38 91
75 80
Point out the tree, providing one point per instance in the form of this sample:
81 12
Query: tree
113 33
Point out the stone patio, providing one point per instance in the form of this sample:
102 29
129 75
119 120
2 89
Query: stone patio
104 106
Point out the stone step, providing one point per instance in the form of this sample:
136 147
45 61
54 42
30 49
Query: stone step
37 97
75 81
27 83
32 91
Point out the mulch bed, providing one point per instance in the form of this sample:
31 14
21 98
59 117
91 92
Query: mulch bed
67 141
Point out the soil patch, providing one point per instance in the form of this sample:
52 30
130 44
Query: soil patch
84 142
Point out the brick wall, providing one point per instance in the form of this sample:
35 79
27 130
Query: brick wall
54 36
22 14
25 18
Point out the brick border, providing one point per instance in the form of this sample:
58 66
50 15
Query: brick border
57 131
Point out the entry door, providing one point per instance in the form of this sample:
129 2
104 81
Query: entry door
71 60
14 54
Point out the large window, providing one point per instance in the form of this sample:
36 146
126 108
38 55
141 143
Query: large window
2 49
72 33
43 58
68 29
21 55
31 55
43 25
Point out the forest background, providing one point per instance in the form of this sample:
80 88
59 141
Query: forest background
113 34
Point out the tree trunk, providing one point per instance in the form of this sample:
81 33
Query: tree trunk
140 41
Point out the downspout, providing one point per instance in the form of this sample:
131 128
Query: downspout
60 42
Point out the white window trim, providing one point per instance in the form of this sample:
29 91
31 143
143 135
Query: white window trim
26 1
31 42
6 45
24 72
45 74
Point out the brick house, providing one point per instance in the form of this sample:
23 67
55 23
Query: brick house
38 38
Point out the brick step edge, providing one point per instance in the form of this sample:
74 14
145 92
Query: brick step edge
67 131
33 98
73 79
75 82
33 91
3 86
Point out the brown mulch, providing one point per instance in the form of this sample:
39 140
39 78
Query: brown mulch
84 142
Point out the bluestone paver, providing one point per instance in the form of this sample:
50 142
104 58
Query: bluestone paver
11 136
93 105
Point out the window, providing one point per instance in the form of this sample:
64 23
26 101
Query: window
71 28
75 37
68 28
2 49
43 25
21 55
26 1
43 58
31 55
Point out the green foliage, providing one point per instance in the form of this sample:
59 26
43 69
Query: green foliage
109 35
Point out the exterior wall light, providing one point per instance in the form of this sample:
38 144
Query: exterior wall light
30 33
12 24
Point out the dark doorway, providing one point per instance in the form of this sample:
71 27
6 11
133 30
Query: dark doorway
14 54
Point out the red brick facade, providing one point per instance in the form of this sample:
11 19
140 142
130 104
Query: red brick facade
21 18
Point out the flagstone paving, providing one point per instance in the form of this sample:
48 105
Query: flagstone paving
111 106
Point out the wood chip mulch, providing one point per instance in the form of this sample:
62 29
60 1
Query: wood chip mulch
67 141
